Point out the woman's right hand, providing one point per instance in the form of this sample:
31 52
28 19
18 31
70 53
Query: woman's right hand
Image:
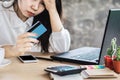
25 42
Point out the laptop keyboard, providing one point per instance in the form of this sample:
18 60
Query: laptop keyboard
93 55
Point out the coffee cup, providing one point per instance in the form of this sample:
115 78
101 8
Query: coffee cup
2 55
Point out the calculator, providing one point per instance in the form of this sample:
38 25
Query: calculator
64 70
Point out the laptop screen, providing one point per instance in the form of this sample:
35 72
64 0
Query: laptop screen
112 30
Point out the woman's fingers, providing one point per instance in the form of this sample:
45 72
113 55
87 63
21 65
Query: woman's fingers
28 45
49 4
25 42
49 1
26 35
24 47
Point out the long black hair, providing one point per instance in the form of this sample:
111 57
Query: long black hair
44 18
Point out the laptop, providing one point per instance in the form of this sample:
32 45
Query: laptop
92 55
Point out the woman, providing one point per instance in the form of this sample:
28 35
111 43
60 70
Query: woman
16 17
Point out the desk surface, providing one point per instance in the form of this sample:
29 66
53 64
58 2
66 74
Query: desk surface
30 71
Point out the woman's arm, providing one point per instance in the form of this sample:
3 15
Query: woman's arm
60 37
60 41
56 23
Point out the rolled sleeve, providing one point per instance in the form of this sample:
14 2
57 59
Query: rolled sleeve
60 41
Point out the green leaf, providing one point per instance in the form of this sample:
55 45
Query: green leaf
109 52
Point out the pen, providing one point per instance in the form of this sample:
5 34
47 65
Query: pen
42 58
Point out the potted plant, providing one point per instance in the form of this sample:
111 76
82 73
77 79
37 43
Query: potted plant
116 61
110 52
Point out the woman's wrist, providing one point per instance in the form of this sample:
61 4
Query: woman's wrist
52 10
11 51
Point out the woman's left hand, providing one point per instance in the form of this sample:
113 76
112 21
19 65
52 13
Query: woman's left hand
50 4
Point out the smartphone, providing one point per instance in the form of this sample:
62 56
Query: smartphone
64 70
37 28
27 59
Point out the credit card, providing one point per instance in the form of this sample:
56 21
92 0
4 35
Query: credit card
38 28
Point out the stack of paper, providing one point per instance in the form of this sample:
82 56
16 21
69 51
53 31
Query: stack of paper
66 77
99 73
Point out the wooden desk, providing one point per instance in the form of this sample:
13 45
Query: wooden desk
29 71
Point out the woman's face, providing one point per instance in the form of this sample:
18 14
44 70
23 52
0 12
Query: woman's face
31 8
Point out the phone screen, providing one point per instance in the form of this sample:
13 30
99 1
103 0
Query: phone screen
27 57
62 68
38 28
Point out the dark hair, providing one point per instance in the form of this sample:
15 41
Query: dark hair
44 18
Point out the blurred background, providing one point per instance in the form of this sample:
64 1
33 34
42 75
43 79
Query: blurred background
86 20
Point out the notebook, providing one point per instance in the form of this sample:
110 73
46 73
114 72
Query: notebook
67 77
105 73
91 55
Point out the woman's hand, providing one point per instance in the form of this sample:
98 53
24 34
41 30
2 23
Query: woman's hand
25 42
50 4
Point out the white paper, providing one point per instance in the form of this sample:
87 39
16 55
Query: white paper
67 77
